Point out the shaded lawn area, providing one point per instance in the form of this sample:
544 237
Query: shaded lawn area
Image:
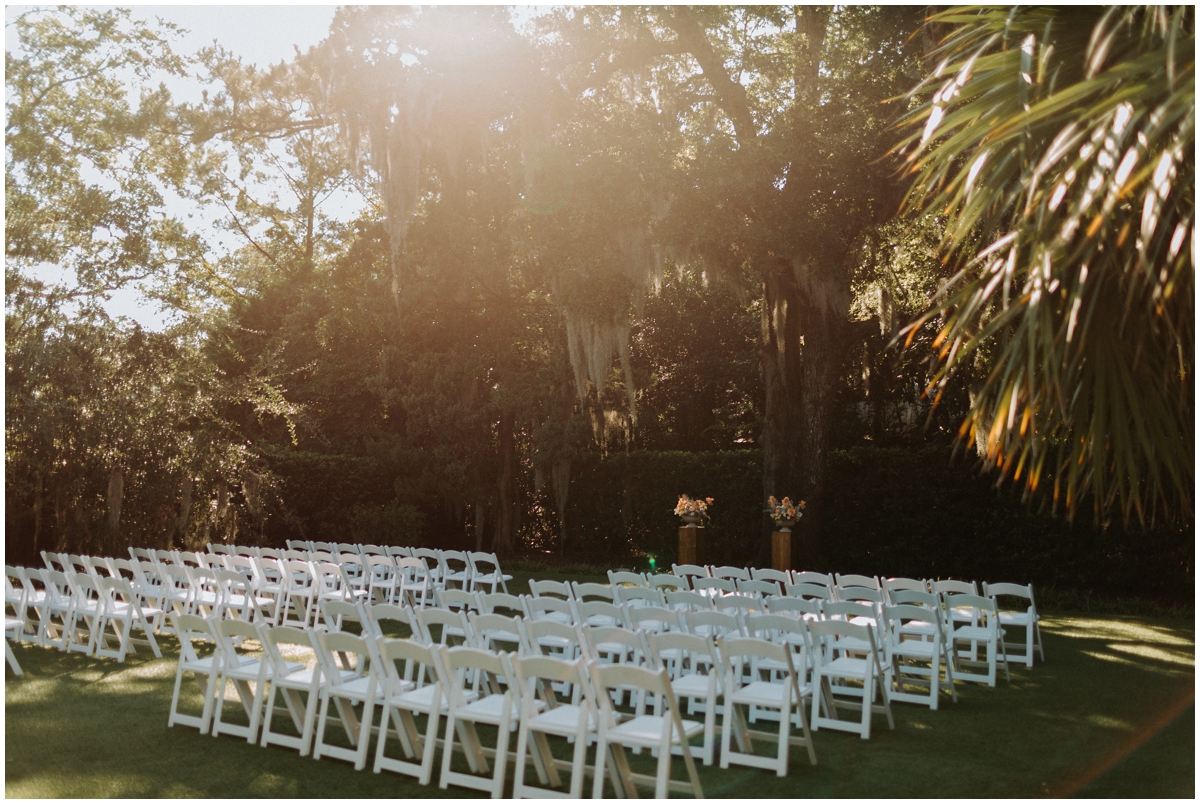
1111 713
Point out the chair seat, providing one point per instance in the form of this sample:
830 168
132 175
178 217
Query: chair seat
204 665
490 709
647 730
562 720
691 685
1017 618
914 648
602 621
421 700
845 667
975 633
552 641
354 688
763 693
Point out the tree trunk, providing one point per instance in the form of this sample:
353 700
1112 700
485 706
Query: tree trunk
560 474
185 507
37 511
480 524
116 494
779 362
508 485
824 303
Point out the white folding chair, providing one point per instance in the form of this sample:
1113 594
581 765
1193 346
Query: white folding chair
662 731
1026 618
485 570
452 625
903 585
37 601
714 587
746 660
551 638
617 645
16 595
237 598
299 593
633 597
249 672
794 607
192 630
542 715
122 612
501 603
689 601
454 569
464 715
909 651
60 603
402 699
667 583
415 582
983 616
839 654
548 608
809 591
344 660
818 578
206 592
625 578
548 588
384 581
292 684
759 588
694 670
690 571
495 632
86 610
600 614
653 619
733 573
11 625
780 577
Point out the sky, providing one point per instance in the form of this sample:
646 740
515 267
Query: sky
262 34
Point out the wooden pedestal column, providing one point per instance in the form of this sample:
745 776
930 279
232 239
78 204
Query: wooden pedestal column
781 550
691 545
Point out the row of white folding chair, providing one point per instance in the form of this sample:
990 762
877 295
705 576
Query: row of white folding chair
448 567
338 676
87 612
863 587
566 642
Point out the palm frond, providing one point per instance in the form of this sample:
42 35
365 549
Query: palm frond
1059 146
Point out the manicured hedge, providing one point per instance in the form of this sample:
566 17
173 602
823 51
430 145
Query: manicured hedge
623 505
910 511
890 511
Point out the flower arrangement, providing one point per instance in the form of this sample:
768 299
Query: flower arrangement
689 508
784 511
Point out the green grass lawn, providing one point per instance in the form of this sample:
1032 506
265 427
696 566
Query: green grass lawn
1111 713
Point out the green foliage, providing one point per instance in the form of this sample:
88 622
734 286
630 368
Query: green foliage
88 161
1059 146
396 525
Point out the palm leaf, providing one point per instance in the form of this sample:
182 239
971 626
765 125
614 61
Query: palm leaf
1059 146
